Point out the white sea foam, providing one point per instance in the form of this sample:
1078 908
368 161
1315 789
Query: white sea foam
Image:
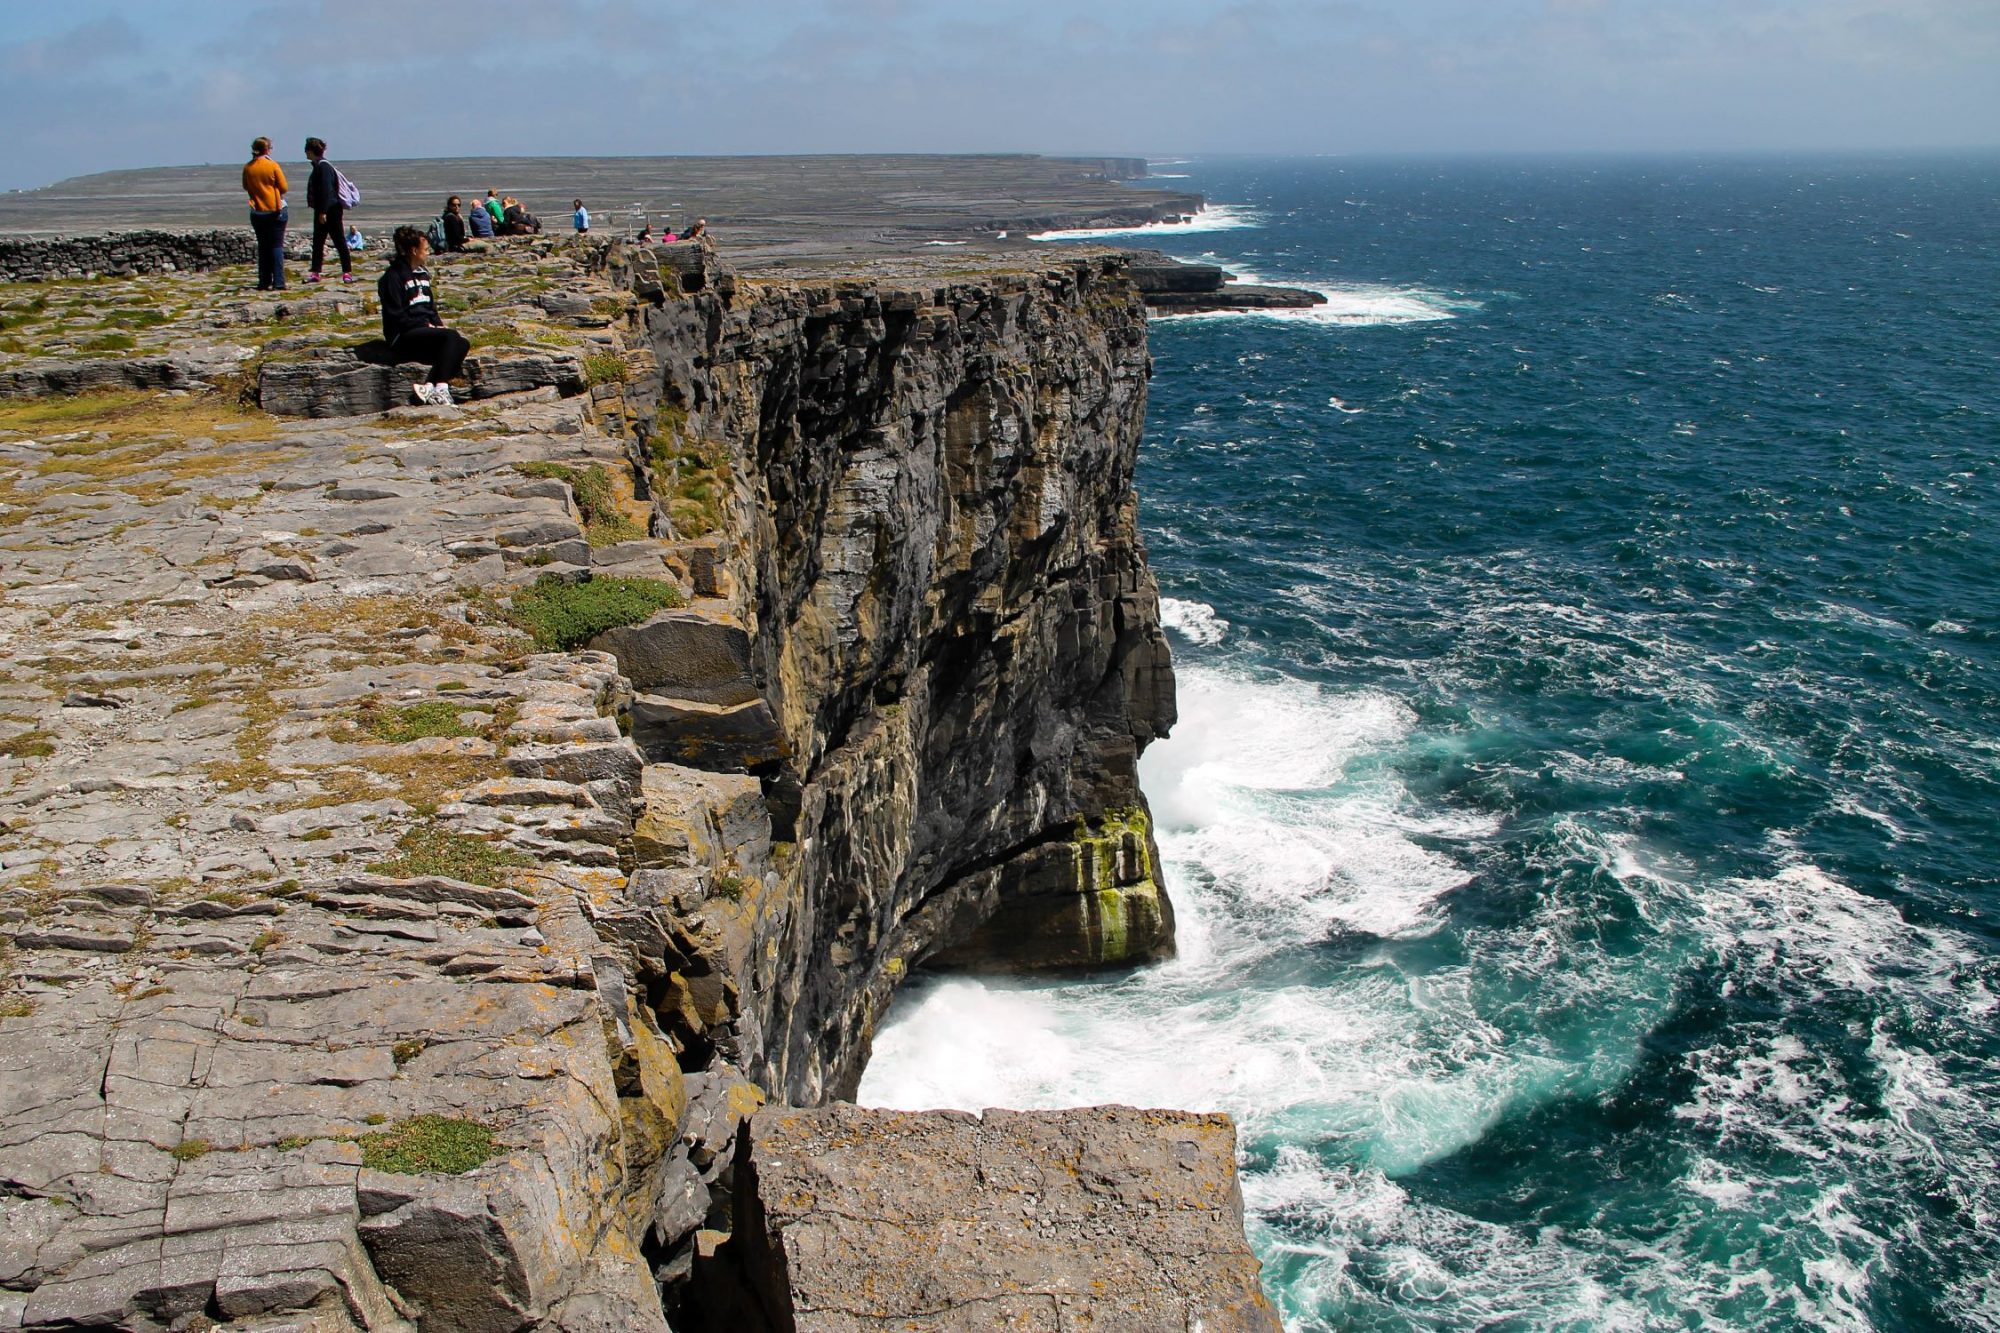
1349 304
1209 217
1194 621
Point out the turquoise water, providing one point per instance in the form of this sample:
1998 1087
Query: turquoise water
1583 815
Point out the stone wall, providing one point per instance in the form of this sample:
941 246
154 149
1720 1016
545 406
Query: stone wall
25 259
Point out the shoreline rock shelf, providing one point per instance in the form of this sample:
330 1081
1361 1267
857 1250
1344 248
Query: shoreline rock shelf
366 966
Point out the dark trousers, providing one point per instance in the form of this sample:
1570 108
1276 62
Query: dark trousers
334 221
445 349
269 228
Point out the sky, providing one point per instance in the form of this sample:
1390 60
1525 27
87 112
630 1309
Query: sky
96 85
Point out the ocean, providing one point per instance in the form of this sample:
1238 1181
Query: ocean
1585 812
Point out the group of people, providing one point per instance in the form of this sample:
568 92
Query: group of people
411 324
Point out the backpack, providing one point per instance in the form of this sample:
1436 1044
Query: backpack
349 192
435 234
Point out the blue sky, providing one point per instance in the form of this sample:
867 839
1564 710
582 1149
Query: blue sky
92 85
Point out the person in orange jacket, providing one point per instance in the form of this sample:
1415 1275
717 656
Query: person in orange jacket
264 181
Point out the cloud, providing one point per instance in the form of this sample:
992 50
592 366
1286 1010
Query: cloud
82 48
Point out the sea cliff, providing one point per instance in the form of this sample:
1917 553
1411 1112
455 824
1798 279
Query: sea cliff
368 966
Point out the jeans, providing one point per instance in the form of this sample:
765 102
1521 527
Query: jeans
269 229
333 221
445 349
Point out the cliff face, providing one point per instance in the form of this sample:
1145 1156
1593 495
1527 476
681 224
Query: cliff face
952 637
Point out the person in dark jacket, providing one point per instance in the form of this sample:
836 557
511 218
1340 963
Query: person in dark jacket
329 214
518 221
454 224
410 320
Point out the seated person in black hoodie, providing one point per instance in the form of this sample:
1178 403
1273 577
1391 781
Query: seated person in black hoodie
410 320
454 225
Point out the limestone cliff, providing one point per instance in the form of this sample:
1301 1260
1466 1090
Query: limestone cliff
952 640
361 968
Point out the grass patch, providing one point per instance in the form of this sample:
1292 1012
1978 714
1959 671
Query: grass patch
431 849
428 1143
16 1007
405 1051
414 722
189 1149
605 368
28 745
692 476
564 616
605 521
109 342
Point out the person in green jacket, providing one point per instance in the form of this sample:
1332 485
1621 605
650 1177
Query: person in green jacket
495 208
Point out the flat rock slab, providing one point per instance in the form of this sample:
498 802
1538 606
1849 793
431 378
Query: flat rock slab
1106 1218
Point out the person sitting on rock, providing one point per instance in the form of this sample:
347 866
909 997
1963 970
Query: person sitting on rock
410 320
454 225
518 221
495 209
480 223
697 231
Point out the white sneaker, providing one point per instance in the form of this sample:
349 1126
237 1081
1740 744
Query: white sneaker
423 393
441 394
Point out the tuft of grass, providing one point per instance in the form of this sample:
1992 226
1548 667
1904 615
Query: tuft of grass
432 849
428 1143
732 887
605 521
605 368
415 722
109 342
562 617
16 1007
407 1050
189 1149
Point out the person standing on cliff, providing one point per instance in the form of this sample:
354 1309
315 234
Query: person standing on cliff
410 319
329 212
582 218
264 181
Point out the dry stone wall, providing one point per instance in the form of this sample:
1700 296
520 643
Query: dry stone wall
31 259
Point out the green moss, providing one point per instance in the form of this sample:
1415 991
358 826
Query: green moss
428 1143
432 849
565 616
732 887
415 722
189 1149
1117 911
406 1051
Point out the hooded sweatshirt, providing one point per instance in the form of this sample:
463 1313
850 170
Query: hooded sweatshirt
405 293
